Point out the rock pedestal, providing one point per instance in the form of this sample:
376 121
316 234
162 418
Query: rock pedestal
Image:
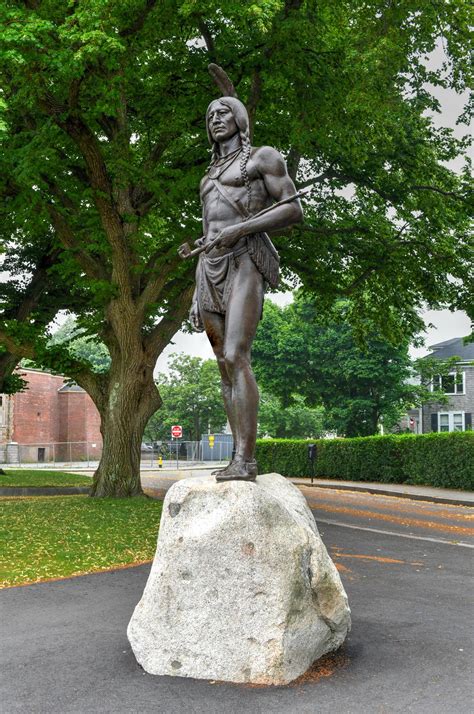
241 589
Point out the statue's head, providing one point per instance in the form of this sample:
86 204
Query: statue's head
224 118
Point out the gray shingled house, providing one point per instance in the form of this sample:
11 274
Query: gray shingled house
456 415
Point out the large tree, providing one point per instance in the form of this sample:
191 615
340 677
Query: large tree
191 394
300 354
295 420
103 146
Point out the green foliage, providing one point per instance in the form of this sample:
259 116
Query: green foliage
81 346
296 421
298 351
59 537
440 460
13 478
191 397
13 383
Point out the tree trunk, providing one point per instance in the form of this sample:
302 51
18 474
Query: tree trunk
8 362
130 402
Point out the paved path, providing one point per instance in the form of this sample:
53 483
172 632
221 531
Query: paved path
163 478
407 572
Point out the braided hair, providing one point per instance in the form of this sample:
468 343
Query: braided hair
241 118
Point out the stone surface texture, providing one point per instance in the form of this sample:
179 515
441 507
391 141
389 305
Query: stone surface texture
242 588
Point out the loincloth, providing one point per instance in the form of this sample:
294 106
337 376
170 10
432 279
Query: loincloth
214 281
215 276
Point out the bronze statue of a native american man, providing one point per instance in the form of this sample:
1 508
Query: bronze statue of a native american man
237 260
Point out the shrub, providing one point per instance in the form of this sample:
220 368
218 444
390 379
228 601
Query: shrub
441 460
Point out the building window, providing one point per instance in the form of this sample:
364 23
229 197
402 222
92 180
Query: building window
451 421
452 383
444 422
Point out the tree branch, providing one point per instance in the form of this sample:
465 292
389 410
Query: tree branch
293 161
139 21
316 179
155 285
448 194
208 39
323 230
291 5
372 268
360 279
141 196
161 334
65 234
92 383
16 348
254 99
99 179
35 288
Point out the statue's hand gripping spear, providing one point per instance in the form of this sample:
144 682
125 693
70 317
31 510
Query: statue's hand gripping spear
184 250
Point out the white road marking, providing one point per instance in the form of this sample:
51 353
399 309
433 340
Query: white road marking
393 533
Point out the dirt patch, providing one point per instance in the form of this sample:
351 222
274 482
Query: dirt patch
322 668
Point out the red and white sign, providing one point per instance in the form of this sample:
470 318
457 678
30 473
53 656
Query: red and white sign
176 431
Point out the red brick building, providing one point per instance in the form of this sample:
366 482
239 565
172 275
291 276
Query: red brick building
50 421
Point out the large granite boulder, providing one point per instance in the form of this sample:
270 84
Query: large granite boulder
242 588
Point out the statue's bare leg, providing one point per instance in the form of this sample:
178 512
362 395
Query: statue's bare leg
243 314
214 324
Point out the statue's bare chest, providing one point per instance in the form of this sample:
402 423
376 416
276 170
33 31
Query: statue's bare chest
232 180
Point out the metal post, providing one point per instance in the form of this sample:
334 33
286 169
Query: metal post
87 448
70 453
177 454
54 454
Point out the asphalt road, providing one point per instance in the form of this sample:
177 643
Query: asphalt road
407 570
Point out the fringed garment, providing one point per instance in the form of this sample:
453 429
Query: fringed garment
215 276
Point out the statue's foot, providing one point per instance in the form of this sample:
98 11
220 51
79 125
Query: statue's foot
219 471
238 471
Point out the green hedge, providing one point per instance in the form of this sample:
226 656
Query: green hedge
442 460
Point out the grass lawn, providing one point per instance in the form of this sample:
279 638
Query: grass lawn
39 477
57 536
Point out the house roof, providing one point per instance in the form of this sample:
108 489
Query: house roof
70 388
453 348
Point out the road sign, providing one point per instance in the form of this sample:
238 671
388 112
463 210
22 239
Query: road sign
176 431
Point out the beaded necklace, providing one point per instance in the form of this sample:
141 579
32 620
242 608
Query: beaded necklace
223 164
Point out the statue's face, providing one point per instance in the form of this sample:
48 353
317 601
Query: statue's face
221 120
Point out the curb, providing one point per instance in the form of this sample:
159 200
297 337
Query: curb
383 492
44 490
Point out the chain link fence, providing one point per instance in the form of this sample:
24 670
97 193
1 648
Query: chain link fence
86 454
